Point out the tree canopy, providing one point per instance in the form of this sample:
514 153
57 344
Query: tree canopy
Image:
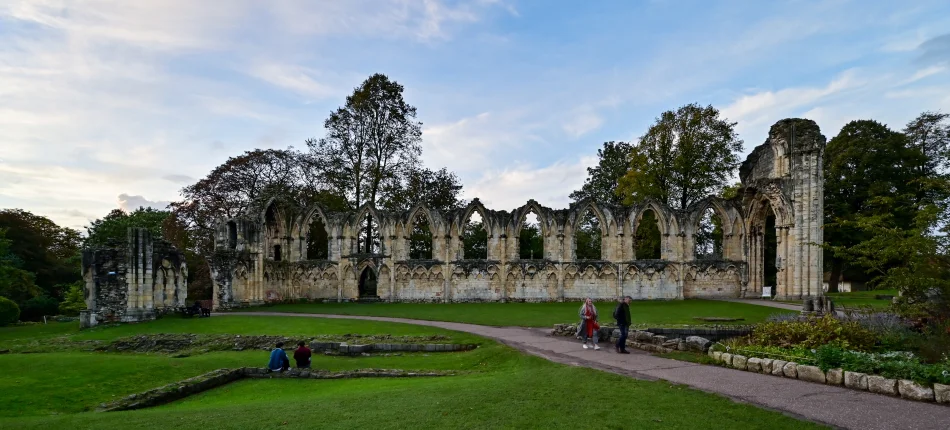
613 162
44 249
371 142
684 156
113 228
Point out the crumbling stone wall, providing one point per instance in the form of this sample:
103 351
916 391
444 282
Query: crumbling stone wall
262 256
133 281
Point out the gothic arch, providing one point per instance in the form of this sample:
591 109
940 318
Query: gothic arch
667 222
522 212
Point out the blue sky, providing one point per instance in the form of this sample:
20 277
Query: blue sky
114 103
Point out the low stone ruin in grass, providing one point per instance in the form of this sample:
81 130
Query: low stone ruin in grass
214 379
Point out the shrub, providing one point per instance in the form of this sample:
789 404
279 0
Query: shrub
9 311
812 333
74 302
783 317
34 309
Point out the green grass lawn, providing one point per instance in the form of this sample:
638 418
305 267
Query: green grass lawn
495 386
646 313
863 298
521 392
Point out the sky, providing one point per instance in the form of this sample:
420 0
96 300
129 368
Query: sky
117 104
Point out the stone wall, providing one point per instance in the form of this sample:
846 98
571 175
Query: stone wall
133 281
262 256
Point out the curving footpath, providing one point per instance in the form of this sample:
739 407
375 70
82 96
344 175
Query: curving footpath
830 405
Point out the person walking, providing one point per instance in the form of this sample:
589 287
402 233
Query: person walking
588 327
622 315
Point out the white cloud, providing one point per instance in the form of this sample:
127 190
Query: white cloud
512 186
476 143
583 122
295 78
130 203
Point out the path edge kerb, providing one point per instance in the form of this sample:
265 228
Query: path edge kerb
552 356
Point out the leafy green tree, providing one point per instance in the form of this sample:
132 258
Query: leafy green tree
603 179
9 311
899 232
74 301
869 171
588 238
240 182
113 228
47 251
530 242
683 157
475 241
437 189
647 240
15 283
36 308
371 140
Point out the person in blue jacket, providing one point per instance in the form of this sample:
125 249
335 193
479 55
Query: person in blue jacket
278 359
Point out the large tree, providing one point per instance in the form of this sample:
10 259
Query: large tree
686 155
869 169
373 139
15 283
48 251
437 189
894 221
234 186
603 179
113 228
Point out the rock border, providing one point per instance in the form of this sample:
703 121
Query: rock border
645 340
903 388
216 378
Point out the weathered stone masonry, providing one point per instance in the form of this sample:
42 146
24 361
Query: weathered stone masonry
133 281
262 256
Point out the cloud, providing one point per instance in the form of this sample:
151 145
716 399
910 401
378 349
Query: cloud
585 121
130 203
510 187
766 107
472 144
935 50
422 20
295 78
179 179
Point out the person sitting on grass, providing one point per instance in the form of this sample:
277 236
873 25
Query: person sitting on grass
302 356
588 327
278 359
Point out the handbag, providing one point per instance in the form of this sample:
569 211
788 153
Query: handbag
596 326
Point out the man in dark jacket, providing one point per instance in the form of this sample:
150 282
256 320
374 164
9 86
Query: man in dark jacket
622 315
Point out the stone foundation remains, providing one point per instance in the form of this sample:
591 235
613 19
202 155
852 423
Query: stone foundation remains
286 250
134 281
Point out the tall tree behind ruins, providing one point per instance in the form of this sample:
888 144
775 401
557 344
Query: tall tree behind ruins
371 141
686 155
613 163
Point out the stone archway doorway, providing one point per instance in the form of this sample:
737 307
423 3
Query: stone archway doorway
367 286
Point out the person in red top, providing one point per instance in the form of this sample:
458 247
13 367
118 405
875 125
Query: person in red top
302 356
588 328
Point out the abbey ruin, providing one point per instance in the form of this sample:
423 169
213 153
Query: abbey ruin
288 251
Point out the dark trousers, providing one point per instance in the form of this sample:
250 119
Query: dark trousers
622 342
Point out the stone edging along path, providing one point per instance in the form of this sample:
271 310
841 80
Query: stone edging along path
831 405
854 380
216 378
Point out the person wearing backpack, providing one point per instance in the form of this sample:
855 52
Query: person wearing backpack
622 315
